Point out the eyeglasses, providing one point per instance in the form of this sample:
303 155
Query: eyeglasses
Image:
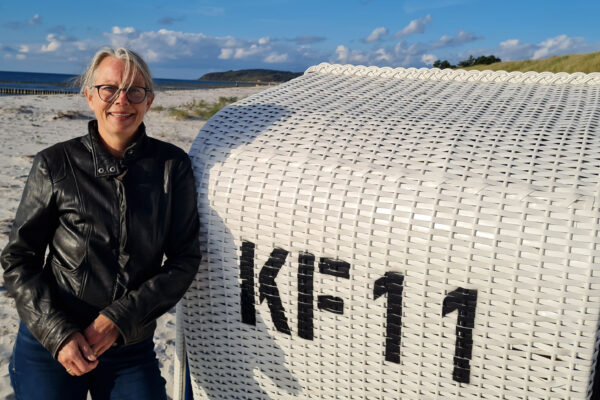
110 93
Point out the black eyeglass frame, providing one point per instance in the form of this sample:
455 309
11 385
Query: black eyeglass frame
118 93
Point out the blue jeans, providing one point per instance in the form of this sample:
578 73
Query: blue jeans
129 372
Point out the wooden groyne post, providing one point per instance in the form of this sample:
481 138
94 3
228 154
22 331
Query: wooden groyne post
17 91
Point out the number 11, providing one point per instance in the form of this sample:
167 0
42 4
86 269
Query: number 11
462 300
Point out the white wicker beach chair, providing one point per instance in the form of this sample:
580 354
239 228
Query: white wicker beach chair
377 233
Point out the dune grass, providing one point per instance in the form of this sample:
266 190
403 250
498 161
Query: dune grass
196 109
587 63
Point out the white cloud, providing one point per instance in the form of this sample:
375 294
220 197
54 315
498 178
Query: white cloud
461 38
376 35
515 49
35 20
168 38
428 59
402 54
342 53
173 45
123 31
21 56
510 43
50 47
165 44
226 54
241 52
80 45
150 56
359 57
415 26
276 58
559 45
403 48
382 55
167 50
232 42
55 42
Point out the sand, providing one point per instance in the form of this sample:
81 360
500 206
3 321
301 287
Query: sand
29 124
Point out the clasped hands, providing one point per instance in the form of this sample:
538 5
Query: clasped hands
79 354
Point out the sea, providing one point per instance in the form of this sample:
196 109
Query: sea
66 83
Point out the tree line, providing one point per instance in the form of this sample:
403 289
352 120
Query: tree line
485 60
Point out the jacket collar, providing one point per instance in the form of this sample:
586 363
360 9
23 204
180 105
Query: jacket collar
105 164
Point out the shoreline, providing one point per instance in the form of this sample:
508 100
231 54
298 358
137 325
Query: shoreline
31 123
36 83
20 91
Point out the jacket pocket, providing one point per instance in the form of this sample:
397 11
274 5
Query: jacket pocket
70 280
71 241
70 263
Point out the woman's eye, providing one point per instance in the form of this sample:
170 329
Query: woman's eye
109 89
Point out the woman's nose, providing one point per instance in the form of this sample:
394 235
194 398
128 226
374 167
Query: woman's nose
122 96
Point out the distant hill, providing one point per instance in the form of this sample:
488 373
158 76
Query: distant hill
251 75
587 63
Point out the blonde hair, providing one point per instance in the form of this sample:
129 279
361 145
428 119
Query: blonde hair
134 64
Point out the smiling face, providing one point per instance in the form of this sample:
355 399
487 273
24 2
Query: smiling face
120 119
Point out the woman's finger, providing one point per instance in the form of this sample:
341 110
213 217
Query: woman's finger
73 370
101 334
103 345
86 349
80 365
100 350
72 358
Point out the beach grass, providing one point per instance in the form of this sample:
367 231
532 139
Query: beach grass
586 63
196 109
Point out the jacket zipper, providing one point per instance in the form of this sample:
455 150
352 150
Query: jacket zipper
123 256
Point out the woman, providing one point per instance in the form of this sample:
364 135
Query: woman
107 207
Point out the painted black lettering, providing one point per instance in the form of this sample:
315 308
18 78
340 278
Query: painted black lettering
268 289
331 303
334 267
306 270
337 268
464 301
247 283
391 284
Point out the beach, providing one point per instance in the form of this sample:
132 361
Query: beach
29 124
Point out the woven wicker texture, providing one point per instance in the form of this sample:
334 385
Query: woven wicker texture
399 234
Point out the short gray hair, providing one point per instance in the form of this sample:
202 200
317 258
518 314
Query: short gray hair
134 64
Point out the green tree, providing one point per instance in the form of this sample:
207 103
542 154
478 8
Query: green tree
442 64
487 60
467 63
481 60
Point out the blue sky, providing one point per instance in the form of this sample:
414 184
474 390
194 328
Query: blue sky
185 39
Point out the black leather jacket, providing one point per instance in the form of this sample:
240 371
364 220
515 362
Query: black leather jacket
107 224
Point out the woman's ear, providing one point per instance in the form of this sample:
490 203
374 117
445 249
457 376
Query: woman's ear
88 96
149 102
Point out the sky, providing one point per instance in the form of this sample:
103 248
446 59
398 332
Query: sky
183 39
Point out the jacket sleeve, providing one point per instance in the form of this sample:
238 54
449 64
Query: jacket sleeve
157 295
25 278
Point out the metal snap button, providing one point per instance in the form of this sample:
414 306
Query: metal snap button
101 170
112 169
